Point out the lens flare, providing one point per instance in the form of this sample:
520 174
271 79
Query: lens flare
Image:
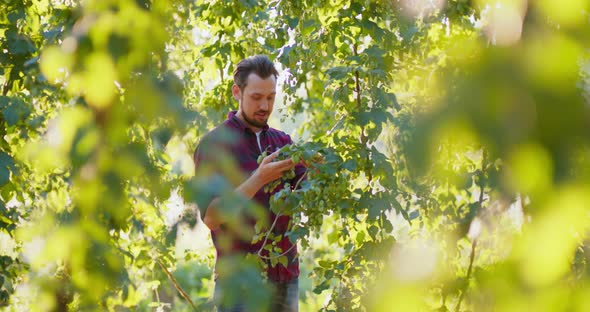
416 8
504 21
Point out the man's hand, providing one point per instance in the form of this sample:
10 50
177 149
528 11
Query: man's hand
267 172
270 170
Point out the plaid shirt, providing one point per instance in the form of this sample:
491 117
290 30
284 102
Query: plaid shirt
235 139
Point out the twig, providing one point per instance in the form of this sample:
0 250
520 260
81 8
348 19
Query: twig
359 103
469 270
474 243
300 179
280 255
276 219
268 234
336 124
176 285
7 84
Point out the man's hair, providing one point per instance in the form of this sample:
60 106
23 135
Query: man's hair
261 65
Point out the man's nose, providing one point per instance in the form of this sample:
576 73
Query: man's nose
264 105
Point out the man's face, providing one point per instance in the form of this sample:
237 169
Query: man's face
256 100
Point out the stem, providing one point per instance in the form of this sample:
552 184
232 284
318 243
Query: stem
176 285
335 124
357 89
481 184
222 95
8 83
300 179
5 89
474 243
469 270
359 104
268 234
278 256
275 221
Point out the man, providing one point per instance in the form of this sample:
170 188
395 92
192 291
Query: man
244 136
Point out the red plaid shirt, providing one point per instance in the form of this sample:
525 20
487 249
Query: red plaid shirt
235 138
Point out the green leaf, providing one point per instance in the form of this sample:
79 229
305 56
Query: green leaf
161 136
3 297
284 261
10 115
6 162
309 25
324 264
292 21
338 72
387 226
321 287
4 176
360 237
414 214
14 16
375 53
408 32
333 237
15 111
350 165
4 101
387 99
19 44
284 55
373 230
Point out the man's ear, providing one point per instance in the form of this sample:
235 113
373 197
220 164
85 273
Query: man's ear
236 92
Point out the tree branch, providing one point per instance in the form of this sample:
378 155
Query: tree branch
474 243
268 234
278 256
359 104
469 270
176 285
357 89
275 221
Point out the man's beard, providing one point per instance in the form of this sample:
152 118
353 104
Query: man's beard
252 121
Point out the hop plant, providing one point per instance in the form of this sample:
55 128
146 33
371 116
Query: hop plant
289 151
313 200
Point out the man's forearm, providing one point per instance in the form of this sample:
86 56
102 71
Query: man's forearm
267 171
213 218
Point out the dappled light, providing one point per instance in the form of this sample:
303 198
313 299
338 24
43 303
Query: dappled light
432 155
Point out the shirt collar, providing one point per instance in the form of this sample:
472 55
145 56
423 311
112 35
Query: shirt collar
240 124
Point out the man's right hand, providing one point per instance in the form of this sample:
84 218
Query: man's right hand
270 170
267 172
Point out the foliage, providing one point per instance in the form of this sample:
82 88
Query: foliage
454 171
